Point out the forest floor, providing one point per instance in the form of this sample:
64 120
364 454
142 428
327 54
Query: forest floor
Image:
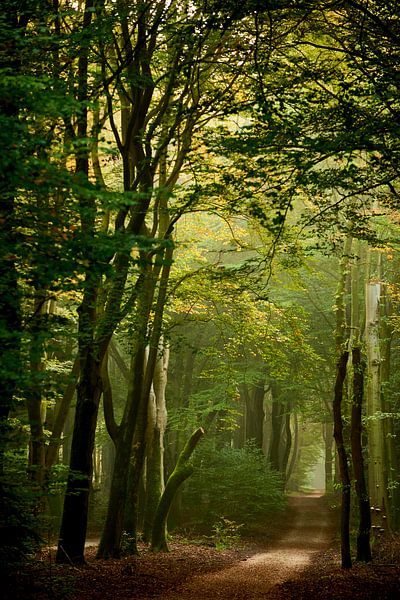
294 559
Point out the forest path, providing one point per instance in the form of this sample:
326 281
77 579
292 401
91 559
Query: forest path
255 577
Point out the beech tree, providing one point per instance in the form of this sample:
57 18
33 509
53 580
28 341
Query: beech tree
245 368
165 89
280 119
328 115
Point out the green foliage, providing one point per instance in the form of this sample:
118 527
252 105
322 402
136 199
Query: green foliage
57 480
233 484
18 521
225 533
18 527
128 544
319 130
310 452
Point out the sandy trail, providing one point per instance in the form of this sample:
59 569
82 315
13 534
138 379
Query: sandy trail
255 576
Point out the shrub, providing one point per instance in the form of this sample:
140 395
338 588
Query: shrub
18 525
237 484
225 533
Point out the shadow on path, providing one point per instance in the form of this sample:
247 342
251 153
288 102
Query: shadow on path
256 576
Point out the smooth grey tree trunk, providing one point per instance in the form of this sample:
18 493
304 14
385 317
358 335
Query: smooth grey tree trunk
157 422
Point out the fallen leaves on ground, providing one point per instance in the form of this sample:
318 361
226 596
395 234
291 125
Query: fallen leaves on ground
134 577
163 575
326 580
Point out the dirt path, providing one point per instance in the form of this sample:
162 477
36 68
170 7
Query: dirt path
270 567
255 576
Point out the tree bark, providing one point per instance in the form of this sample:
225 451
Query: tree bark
61 417
74 522
155 441
276 434
108 406
288 442
364 529
376 480
295 449
76 503
182 471
131 442
140 442
341 339
343 462
255 414
34 401
110 543
328 439
388 407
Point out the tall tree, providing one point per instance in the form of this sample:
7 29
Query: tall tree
377 483
357 395
165 89
76 503
342 359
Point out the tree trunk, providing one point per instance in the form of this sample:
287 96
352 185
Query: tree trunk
356 392
140 442
155 443
107 467
255 414
110 543
341 339
108 405
131 442
288 442
364 529
34 402
295 449
343 462
61 417
182 471
74 522
328 439
276 434
376 480
67 437
388 407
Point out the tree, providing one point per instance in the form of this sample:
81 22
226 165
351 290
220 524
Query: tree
157 133
342 358
138 120
324 124
182 471
37 252
76 501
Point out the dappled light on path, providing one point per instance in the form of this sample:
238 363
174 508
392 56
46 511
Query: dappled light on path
279 556
255 576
